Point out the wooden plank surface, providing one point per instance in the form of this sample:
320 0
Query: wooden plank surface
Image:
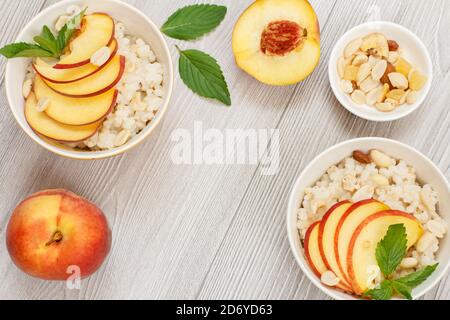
182 231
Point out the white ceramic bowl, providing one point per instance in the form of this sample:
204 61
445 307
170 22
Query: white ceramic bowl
414 51
426 171
136 23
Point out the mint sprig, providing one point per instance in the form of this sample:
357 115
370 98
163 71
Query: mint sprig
194 21
46 45
389 253
199 71
391 249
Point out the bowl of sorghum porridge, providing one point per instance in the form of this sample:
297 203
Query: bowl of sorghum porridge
356 190
107 91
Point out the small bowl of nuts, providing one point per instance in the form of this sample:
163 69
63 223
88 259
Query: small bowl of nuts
380 71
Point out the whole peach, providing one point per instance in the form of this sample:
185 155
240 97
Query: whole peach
53 230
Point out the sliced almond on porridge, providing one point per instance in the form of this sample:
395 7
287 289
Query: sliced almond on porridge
101 56
329 278
26 88
437 227
381 159
42 104
426 242
408 263
365 192
380 180
121 138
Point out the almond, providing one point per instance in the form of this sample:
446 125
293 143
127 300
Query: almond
363 72
378 69
389 69
411 97
101 56
393 45
26 88
358 97
352 47
361 157
360 59
42 104
346 86
398 80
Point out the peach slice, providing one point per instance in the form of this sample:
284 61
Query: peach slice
364 241
327 229
277 41
73 74
75 111
49 128
312 253
347 225
95 84
97 31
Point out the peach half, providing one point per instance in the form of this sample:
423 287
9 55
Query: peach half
277 41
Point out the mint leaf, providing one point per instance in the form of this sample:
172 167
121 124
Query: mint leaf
384 292
48 41
193 21
201 73
47 45
24 50
391 249
66 33
416 278
402 289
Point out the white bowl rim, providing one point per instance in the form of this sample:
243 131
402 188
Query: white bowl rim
292 209
91 155
388 116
